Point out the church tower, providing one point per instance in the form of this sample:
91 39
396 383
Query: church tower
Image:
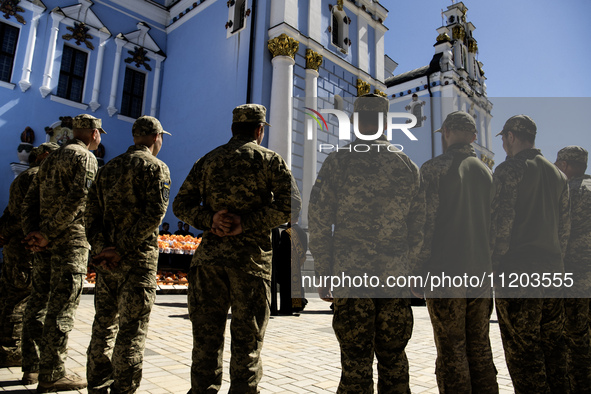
454 80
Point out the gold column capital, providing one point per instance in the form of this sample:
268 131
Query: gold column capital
313 59
380 93
362 87
283 45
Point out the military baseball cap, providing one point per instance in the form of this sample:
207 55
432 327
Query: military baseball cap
147 125
520 123
47 147
572 153
255 113
459 120
85 121
371 102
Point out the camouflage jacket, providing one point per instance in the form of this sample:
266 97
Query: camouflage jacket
56 200
366 213
250 181
459 192
126 204
578 252
530 214
10 222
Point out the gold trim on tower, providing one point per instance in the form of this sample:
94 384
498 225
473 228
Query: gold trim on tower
459 33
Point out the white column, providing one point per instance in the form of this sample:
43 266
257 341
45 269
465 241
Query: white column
115 79
96 88
310 145
45 89
281 112
458 56
380 53
315 20
284 11
25 82
362 45
470 65
156 86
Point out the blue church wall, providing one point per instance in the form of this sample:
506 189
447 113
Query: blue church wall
21 109
213 77
218 56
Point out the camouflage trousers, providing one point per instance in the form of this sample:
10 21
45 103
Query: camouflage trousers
464 356
368 326
50 312
123 302
578 341
213 291
534 344
15 287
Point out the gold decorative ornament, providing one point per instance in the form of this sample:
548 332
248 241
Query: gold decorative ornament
443 37
380 93
458 32
313 59
340 5
283 45
362 87
472 46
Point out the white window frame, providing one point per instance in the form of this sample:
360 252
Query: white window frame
119 64
10 85
51 74
146 75
85 84
343 30
232 15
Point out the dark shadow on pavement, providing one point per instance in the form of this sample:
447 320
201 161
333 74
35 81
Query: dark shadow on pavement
172 304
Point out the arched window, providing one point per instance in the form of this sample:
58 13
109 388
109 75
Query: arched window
239 15
340 30
335 30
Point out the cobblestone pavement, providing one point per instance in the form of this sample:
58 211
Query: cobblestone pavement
300 354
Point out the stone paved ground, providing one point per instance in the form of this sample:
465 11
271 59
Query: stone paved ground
300 354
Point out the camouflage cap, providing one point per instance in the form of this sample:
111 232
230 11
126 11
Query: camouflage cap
521 123
572 153
85 121
255 113
147 125
459 121
47 147
371 102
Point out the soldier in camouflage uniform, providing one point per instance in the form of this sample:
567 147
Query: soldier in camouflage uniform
375 203
125 206
15 282
572 160
236 193
53 219
458 192
531 217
